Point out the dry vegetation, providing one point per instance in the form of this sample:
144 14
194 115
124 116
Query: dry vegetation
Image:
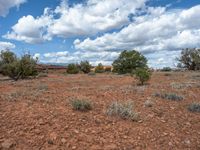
42 113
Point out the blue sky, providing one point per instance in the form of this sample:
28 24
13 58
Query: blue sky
61 31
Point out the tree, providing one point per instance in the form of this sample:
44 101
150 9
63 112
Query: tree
99 68
73 68
143 75
85 66
128 61
17 68
189 59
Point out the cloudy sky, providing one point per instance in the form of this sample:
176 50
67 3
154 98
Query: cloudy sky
65 31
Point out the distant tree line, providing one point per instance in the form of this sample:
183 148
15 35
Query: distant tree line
128 62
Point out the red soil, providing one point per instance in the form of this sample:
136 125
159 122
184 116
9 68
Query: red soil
36 114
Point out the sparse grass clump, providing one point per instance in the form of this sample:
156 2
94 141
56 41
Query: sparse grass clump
81 105
194 107
43 87
124 111
169 96
91 73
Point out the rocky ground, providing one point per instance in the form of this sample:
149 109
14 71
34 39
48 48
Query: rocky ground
36 114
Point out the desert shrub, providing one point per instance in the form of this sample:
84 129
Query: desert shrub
73 69
128 61
85 66
189 59
194 107
99 68
17 68
148 103
107 69
81 105
142 74
123 110
166 69
41 74
169 96
42 87
92 74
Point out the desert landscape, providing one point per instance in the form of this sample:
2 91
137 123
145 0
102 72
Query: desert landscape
37 114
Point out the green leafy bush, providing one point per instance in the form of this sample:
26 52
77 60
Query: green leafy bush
142 74
17 68
81 105
85 66
73 69
123 110
166 69
99 68
129 61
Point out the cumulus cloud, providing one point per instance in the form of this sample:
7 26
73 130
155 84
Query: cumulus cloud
6 45
30 29
5 5
80 19
75 57
172 30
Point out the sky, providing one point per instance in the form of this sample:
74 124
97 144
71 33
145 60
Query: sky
70 31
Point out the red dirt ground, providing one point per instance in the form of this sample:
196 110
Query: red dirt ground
36 114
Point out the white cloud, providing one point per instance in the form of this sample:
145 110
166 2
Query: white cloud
30 29
6 45
172 30
80 19
5 5
66 57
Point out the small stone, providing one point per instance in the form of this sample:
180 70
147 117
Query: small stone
63 140
170 144
76 131
7 144
50 142
111 147
73 147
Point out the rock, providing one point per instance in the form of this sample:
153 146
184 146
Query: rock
73 147
111 147
7 144
76 131
50 142
63 140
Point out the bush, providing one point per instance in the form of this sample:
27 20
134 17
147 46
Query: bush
194 107
128 61
81 105
17 68
85 66
99 68
189 59
170 96
73 69
91 74
125 111
166 69
142 75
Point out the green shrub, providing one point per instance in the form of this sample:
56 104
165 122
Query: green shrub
194 107
81 105
129 61
17 68
166 69
99 68
123 110
85 66
142 75
170 96
73 69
